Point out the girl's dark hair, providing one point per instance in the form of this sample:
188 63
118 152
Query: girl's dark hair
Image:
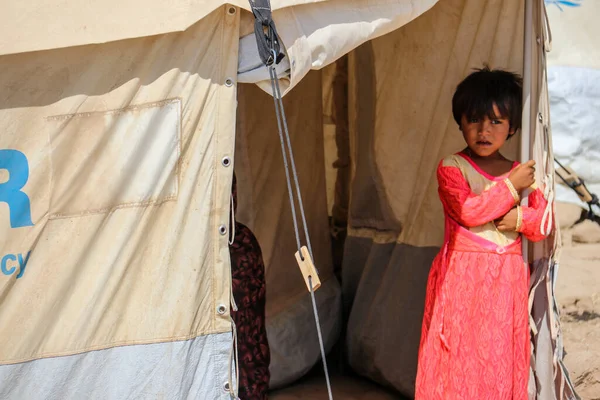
478 92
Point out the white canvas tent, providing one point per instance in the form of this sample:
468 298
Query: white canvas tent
116 118
574 87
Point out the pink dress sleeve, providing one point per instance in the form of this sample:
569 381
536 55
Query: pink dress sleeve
533 215
467 208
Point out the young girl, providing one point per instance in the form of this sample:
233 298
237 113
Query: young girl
475 335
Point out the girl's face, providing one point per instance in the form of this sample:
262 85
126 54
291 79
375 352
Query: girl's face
486 136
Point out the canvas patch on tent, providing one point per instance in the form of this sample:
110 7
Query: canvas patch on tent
115 159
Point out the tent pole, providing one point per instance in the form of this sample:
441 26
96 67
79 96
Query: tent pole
527 103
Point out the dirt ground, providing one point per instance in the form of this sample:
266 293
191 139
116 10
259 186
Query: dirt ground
578 296
343 388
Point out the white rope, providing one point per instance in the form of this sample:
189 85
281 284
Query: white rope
548 184
233 354
232 233
233 358
548 179
230 241
283 131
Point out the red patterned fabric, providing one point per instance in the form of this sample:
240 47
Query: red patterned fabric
249 292
475 334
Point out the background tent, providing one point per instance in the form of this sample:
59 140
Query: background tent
574 87
116 126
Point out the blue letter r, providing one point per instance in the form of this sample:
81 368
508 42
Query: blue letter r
17 166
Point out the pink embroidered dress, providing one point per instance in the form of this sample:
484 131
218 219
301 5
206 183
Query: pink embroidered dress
475 335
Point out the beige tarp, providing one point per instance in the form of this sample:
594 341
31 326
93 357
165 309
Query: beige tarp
121 148
402 125
40 25
315 32
125 173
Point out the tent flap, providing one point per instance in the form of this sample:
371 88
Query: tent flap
316 35
401 126
112 211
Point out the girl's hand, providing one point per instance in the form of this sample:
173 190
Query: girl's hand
523 175
507 223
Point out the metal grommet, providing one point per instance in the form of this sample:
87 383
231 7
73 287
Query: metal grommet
231 10
228 82
540 117
222 229
221 309
226 161
226 387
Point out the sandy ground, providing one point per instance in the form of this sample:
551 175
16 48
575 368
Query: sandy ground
343 388
578 296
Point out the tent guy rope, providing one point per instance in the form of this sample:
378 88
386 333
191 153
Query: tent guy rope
270 52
